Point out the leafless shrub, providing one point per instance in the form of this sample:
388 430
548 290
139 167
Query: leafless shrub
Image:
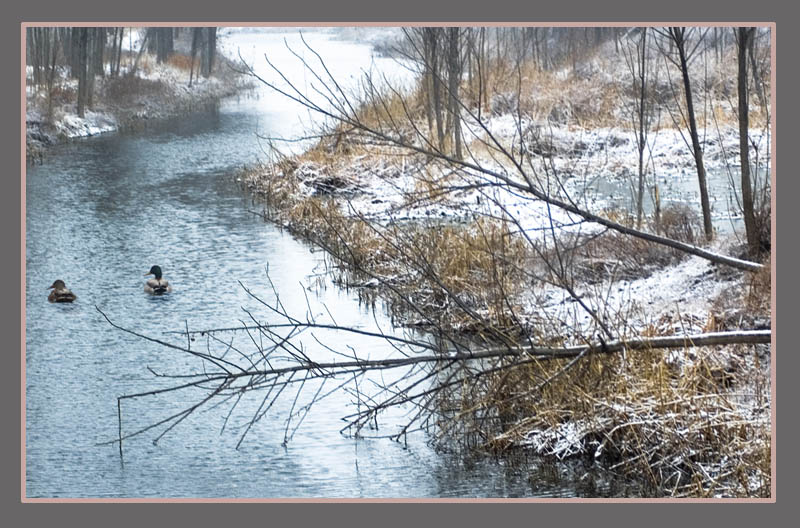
680 222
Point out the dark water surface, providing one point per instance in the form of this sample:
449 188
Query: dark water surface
99 213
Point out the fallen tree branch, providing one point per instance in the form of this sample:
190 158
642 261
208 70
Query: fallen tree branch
748 337
543 352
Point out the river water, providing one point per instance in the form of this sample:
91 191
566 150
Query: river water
99 213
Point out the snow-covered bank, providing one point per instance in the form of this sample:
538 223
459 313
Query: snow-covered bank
155 91
631 410
670 293
477 257
596 167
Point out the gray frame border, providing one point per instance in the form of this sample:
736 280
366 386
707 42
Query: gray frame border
353 11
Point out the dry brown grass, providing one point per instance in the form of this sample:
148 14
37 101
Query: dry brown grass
691 422
676 421
63 94
550 96
181 61
479 263
127 88
613 255
759 291
388 109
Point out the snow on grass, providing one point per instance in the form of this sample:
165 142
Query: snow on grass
563 441
676 299
167 93
595 167
93 123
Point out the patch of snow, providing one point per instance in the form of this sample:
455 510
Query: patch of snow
73 126
562 441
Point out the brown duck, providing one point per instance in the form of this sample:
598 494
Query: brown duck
156 286
60 293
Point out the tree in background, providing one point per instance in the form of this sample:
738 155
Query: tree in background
209 50
164 43
197 35
679 38
744 39
636 60
82 70
454 71
43 49
438 52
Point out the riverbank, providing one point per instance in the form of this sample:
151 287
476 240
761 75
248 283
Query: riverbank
356 206
688 415
124 102
566 132
460 252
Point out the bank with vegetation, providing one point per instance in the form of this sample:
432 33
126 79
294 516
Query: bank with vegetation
84 81
634 334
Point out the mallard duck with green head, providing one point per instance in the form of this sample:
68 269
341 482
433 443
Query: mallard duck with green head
60 293
157 285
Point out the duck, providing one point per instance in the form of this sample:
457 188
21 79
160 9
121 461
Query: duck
60 293
156 286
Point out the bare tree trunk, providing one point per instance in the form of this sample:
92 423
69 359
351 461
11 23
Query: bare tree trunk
195 44
756 72
141 50
113 59
470 59
119 49
116 52
212 48
745 36
32 50
482 71
436 87
209 46
678 36
454 80
163 42
90 66
642 51
427 81
100 40
50 77
75 52
83 54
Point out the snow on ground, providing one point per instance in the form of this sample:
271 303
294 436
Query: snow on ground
93 123
676 299
611 153
171 93
597 168
69 125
